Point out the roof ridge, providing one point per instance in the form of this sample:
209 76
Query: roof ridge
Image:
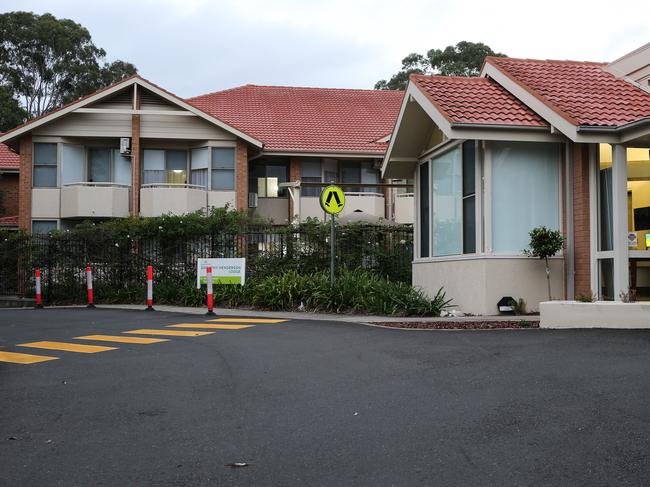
311 88
560 61
442 76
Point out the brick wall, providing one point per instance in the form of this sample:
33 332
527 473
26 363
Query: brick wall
9 187
241 175
25 184
581 231
135 165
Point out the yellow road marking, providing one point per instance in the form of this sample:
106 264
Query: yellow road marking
68 347
122 339
246 320
24 358
176 333
207 325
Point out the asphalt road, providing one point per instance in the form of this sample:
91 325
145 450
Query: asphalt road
318 403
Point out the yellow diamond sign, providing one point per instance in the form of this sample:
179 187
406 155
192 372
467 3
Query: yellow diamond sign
332 200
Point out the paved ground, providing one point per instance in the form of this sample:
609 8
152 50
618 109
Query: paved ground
319 403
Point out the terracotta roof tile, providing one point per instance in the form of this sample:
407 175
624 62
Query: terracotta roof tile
296 119
582 92
475 101
8 158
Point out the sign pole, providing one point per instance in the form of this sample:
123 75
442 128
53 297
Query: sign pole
332 250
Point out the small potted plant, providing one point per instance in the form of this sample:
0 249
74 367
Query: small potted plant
545 243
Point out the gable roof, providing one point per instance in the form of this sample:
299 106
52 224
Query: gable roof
293 119
463 100
9 160
118 86
582 93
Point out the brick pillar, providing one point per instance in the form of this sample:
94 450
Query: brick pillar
581 213
136 171
241 175
25 184
294 175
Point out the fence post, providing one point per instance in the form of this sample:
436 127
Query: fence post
89 283
39 301
208 279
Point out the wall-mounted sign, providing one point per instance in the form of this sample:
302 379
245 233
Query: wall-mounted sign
632 241
224 271
332 200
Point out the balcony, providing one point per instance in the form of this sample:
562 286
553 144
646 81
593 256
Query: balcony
158 199
95 200
404 208
369 203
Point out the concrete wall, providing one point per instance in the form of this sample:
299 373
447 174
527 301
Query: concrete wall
94 202
602 314
220 199
404 208
477 284
46 203
310 208
177 201
274 209
370 204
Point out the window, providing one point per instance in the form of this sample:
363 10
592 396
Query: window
73 163
268 179
99 165
176 166
469 197
121 168
199 167
447 203
310 172
525 192
164 166
153 163
44 166
424 209
369 175
350 173
42 227
223 169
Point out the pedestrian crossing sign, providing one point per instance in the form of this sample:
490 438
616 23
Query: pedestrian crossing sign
332 200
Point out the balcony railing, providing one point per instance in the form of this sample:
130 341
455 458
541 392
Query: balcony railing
89 199
174 185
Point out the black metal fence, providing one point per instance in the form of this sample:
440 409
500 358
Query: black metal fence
119 265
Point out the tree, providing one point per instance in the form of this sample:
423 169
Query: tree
11 113
47 62
545 243
463 59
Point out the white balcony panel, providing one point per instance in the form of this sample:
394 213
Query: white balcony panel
219 199
163 200
94 201
274 209
310 208
46 203
369 203
404 208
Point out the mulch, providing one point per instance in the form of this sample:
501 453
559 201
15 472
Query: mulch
461 325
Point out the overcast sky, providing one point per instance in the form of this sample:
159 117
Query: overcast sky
191 47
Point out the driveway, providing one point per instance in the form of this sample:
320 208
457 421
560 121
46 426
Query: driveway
315 403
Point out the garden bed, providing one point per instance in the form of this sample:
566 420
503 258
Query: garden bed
461 325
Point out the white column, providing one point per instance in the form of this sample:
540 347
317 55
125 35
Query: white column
619 226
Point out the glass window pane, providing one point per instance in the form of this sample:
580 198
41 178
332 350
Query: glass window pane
369 175
223 179
351 172
153 159
525 192
606 210
176 160
44 177
469 225
447 203
310 168
469 169
223 157
424 210
43 226
122 168
606 279
45 154
200 177
200 158
72 164
99 162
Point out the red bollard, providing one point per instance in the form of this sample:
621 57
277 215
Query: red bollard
149 288
89 282
208 278
39 301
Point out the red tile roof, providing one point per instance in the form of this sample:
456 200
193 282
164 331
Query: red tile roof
475 101
581 92
307 119
9 221
8 158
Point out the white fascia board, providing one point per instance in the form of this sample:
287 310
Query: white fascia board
413 94
506 135
200 113
64 111
532 102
